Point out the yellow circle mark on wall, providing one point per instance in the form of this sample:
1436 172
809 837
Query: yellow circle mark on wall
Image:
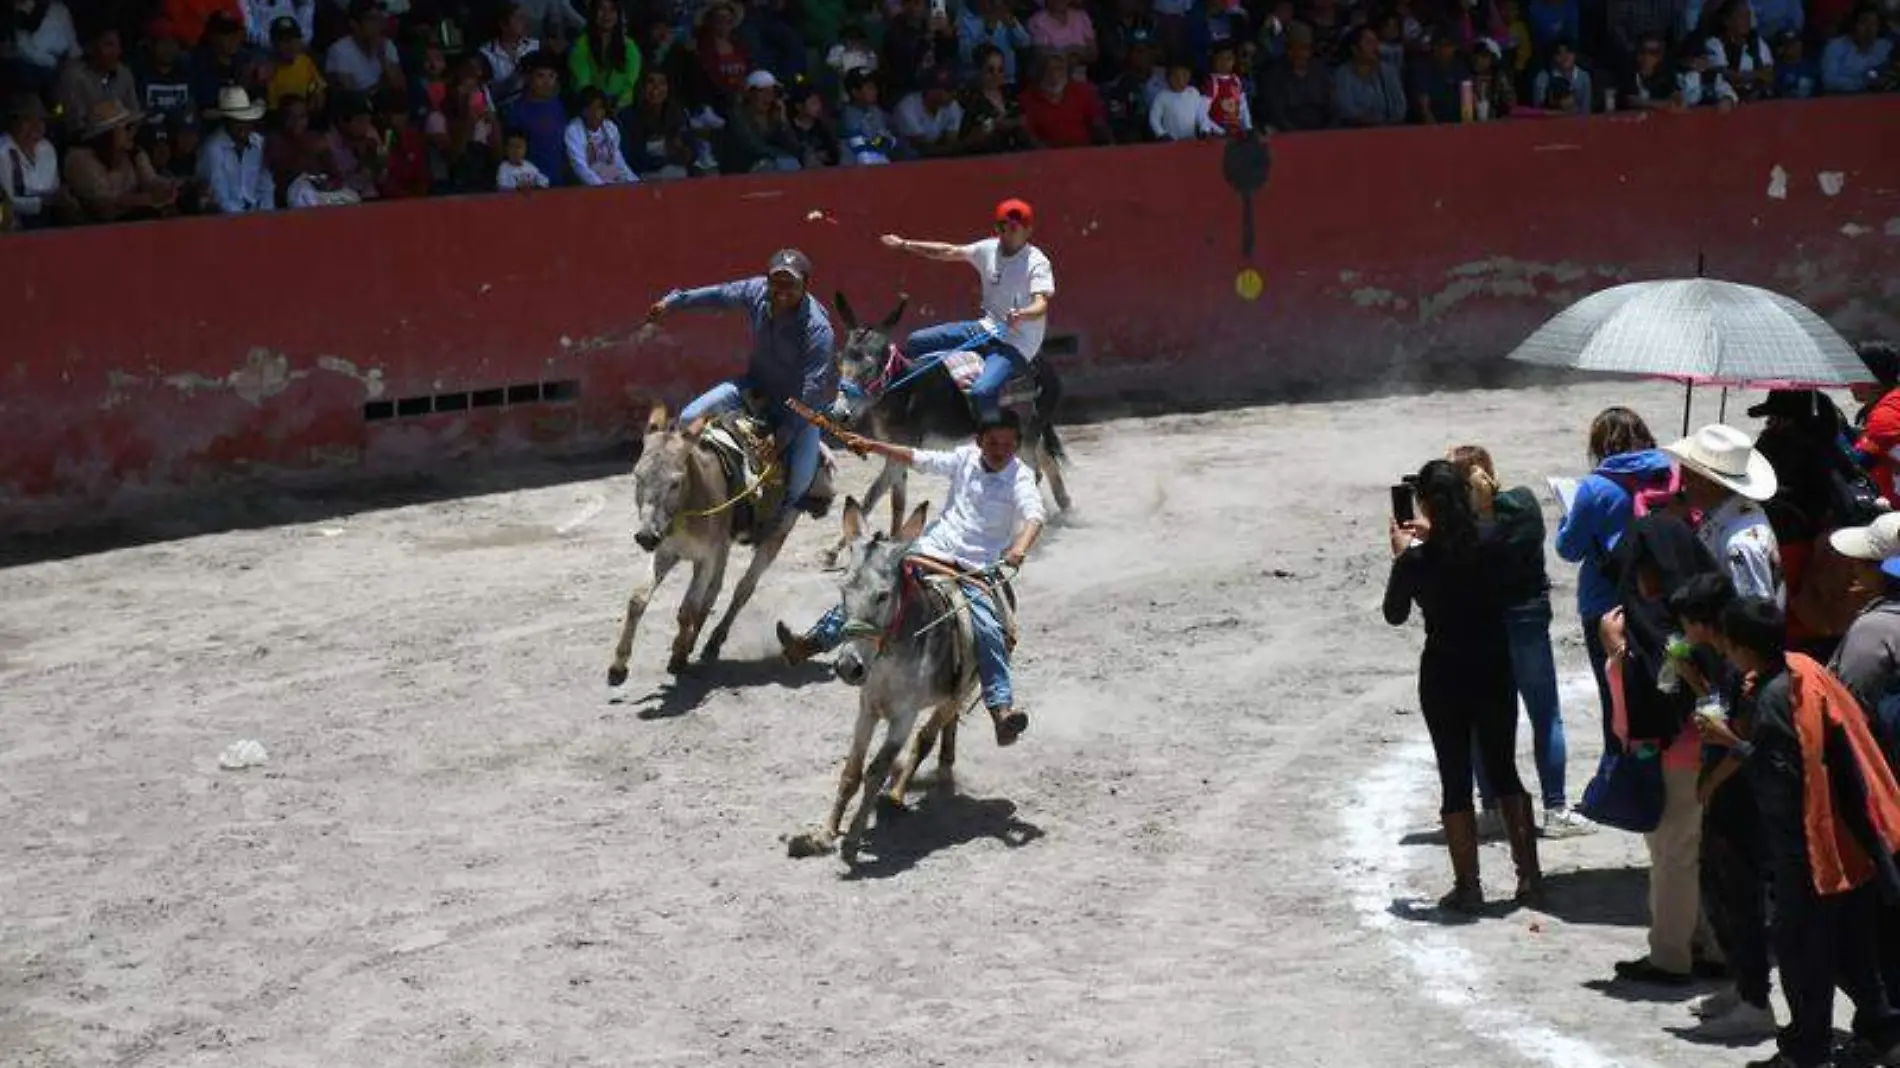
1249 284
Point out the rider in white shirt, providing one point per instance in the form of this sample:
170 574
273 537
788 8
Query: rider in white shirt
1018 282
991 517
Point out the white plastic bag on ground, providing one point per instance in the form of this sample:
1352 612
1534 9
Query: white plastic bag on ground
248 753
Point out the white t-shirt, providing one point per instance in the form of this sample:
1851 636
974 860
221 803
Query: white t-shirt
352 68
1011 282
517 176
1738 536
985 509
915 121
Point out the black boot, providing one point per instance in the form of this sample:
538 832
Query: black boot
1461 839
1522 832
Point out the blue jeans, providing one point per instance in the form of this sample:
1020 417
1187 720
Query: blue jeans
992 648
800 456
1528 630
1000 359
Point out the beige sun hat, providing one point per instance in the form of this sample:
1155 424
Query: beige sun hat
1727 457
106 116
1878 540
236 105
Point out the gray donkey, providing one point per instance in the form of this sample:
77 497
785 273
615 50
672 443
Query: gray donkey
685 508
908 655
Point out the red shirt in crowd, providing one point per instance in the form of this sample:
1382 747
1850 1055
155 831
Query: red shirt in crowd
1225 92
1881 440
725 70
407 171
1070 122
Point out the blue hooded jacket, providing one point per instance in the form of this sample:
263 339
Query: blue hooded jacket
1597 519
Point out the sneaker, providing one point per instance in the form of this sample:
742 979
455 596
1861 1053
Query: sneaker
1718 1004
1566 823
1752 1023
1490 825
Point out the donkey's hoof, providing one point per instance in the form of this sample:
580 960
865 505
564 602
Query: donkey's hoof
808 844
676 666
616 676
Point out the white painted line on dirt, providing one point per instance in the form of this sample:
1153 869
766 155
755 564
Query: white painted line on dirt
596 503
1449 974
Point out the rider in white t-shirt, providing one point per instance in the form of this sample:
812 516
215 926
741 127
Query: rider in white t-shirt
1018 282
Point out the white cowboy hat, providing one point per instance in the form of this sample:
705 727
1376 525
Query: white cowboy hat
1727 457
236 104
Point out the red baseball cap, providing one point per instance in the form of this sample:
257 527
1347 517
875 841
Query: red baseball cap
1014 210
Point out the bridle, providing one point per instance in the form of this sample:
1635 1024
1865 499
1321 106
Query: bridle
895 364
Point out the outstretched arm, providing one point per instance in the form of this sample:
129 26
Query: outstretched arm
930 250
717 298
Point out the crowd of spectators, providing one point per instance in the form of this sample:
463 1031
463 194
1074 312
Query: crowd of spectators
144 108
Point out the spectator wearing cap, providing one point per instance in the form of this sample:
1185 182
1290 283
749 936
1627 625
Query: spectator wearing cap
1436 79
1862 59
222 60
293 72
992 119
722 59
593 144
29 167
43 38
864 124
507 53
355 147
163 73
264 19
1868 658
929 119
1299 89
1797 75
992 23
1878 447
107 173
231 164
1062 27
1563 86
1117 36
1061 112
95 77
1366 91
1129 97
538 114
1815 482
653 132
1882 360
817 137
757 136
604 58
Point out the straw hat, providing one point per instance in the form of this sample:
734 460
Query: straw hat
105 117
1727 457
236 105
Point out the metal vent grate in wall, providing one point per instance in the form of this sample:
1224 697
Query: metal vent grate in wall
566 391
1062 344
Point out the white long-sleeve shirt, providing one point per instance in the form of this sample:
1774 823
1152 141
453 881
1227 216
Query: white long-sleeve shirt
984 510
28 178
238 180
54 41
1180 116
595 154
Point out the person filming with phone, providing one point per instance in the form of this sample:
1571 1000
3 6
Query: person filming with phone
1443 561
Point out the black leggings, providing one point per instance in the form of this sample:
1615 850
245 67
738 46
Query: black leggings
1465 697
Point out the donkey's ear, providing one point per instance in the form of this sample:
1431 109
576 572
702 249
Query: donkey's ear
850 317
913 527
853 519
656 419
903 301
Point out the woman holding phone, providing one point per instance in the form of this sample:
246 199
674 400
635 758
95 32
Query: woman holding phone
1443 564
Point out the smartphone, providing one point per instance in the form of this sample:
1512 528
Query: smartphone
1402 502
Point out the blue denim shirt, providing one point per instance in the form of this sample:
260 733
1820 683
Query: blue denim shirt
791 354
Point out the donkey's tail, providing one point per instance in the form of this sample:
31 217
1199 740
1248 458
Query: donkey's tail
1048 402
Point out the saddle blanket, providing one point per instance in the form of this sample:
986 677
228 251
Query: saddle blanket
965 366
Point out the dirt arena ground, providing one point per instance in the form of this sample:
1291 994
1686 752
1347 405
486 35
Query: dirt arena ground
1211 848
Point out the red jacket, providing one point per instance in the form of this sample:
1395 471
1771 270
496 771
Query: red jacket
1070 122
1881 440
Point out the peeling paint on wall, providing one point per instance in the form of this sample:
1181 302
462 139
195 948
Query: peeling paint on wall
1501 276
1778 183
372 380
1856 230
1893 227
1832 182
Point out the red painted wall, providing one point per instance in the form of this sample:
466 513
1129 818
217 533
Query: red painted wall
141 359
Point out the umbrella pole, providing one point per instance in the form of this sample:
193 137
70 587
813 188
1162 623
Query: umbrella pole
1688 398
1723 417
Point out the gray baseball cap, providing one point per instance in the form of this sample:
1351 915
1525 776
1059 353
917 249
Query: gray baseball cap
791 261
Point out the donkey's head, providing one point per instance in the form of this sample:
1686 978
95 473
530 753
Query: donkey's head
661 477
871 577
865 364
